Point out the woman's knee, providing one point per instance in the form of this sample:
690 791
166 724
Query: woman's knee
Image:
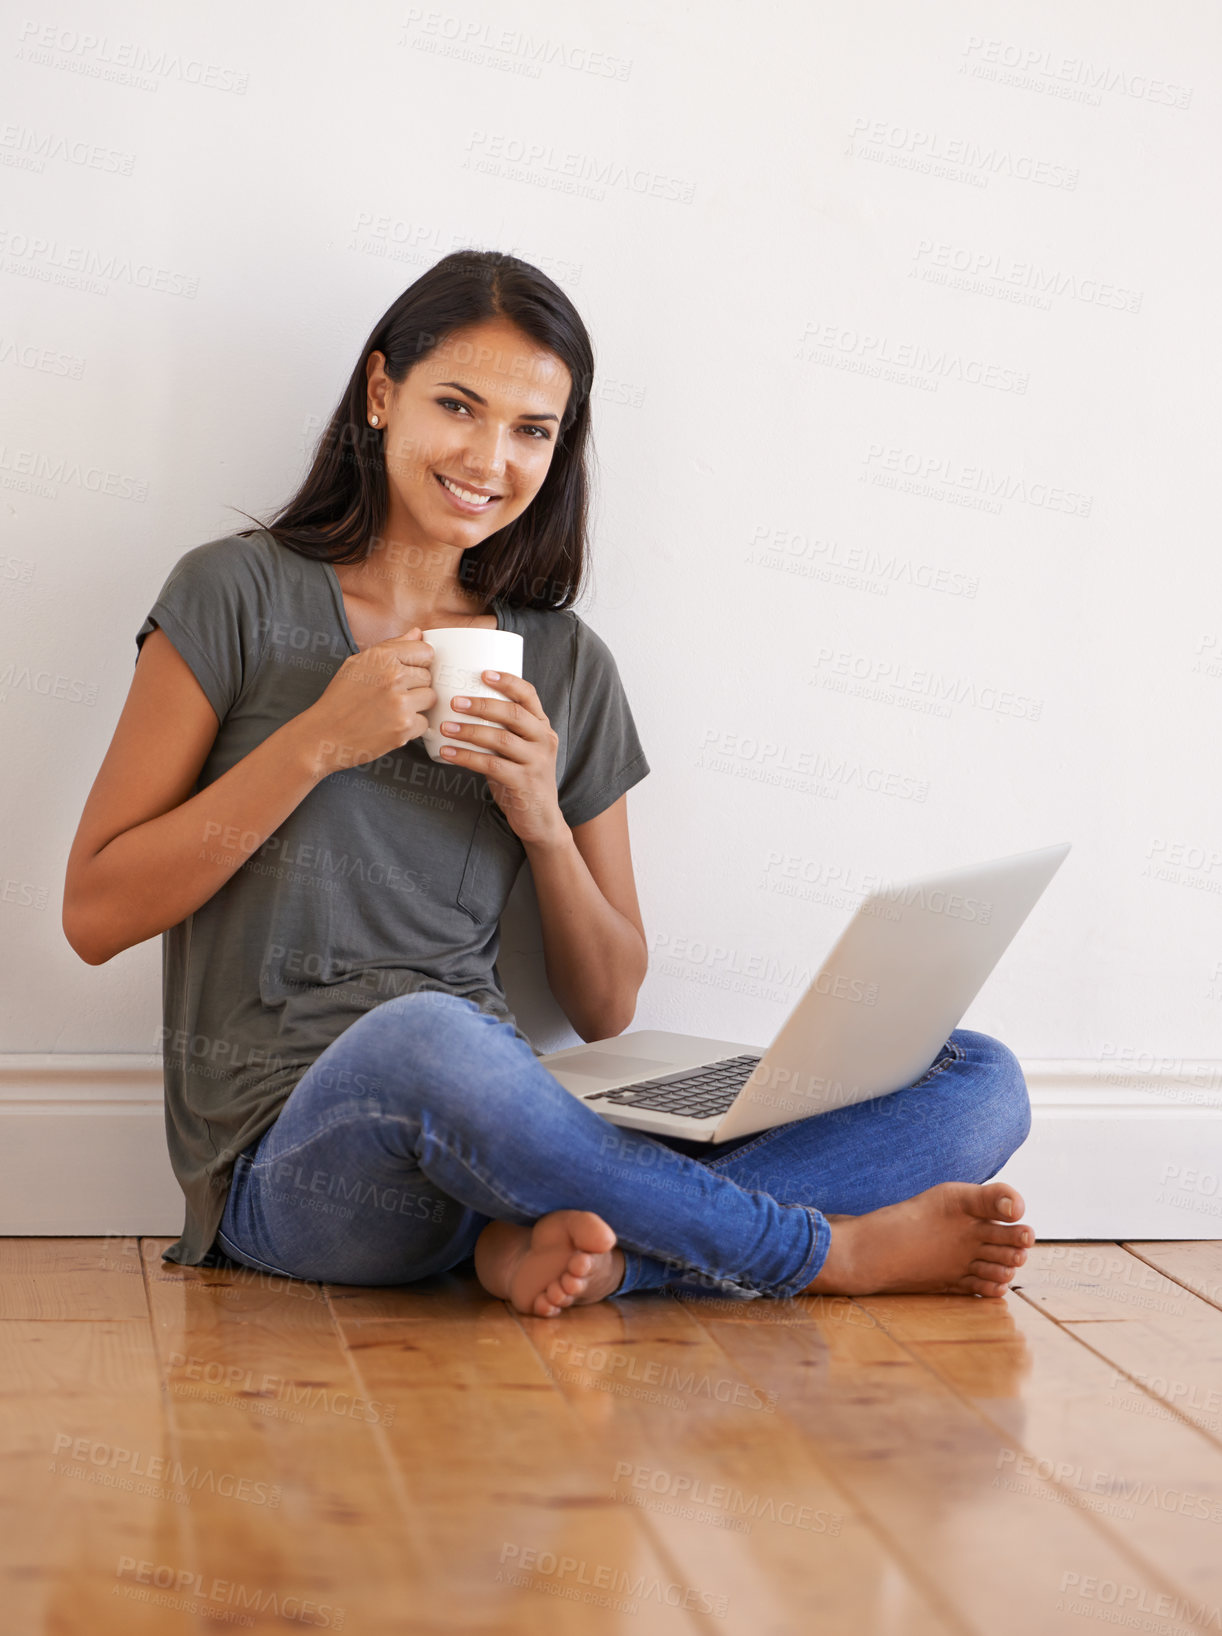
430 1048
424 1015
1004 1102
423 1030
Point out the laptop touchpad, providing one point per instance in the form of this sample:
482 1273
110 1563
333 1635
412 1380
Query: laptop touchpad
608 1065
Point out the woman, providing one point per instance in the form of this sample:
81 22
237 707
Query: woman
348 1098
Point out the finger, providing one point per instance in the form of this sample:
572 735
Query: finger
509 712
500 740
414 635
493 765
499 710
516 688
397 645
511 733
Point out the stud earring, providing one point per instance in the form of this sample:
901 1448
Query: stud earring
373 420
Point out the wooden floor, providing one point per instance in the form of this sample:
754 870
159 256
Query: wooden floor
191 1450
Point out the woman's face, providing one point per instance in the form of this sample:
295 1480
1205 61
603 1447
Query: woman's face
479 414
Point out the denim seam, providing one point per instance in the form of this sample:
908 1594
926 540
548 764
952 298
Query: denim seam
957 1054
324 1127
754 1285
241 1256
805 1276
442 1261
631 1267
474 1170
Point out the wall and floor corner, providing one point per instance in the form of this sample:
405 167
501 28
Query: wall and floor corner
1132 1163
1118 1149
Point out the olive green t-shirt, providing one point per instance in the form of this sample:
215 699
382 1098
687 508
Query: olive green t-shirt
387 878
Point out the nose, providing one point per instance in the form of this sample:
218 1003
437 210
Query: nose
484 456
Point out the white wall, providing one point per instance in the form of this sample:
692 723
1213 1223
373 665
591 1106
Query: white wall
772 269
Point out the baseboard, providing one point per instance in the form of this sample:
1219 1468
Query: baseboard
1122 1151
83 1148
1113 1153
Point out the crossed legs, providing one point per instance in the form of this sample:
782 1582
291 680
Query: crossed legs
429 1131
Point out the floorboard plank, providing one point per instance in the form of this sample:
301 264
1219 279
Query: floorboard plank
69 1278
507 1495
921 1465
1197 1266
687 1437
85 1498
296 1502
1163 1341
1155 1486
1083 1283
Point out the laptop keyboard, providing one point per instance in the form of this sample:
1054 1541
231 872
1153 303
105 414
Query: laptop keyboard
696 1093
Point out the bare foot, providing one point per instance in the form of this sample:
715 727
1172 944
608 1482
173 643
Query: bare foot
951 1240
568 1258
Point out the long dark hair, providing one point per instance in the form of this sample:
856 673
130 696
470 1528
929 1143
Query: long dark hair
539 559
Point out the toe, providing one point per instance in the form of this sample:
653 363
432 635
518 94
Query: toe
991 1272
972 1285
1002 1254
998 1201
1017 1238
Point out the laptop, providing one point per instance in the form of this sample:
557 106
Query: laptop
872 1020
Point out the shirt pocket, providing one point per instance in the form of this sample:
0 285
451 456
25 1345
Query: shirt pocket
494 857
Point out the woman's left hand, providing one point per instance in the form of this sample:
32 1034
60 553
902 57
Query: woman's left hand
521 769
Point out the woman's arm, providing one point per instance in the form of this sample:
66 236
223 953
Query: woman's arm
595 953
594 947
147 852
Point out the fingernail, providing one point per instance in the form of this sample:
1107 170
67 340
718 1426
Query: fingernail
460 703
493 675
1006 1207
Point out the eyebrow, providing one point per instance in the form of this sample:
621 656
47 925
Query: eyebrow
484 403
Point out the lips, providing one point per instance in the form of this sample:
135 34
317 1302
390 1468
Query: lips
450 484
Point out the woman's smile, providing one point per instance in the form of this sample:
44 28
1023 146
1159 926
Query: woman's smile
469 501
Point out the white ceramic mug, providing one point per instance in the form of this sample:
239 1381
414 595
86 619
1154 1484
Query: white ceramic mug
460 654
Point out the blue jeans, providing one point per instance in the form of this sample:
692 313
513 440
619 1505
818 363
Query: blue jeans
427 1118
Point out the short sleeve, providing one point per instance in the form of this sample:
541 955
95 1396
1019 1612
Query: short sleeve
604 756
209 609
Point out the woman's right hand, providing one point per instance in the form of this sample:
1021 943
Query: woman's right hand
375 702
